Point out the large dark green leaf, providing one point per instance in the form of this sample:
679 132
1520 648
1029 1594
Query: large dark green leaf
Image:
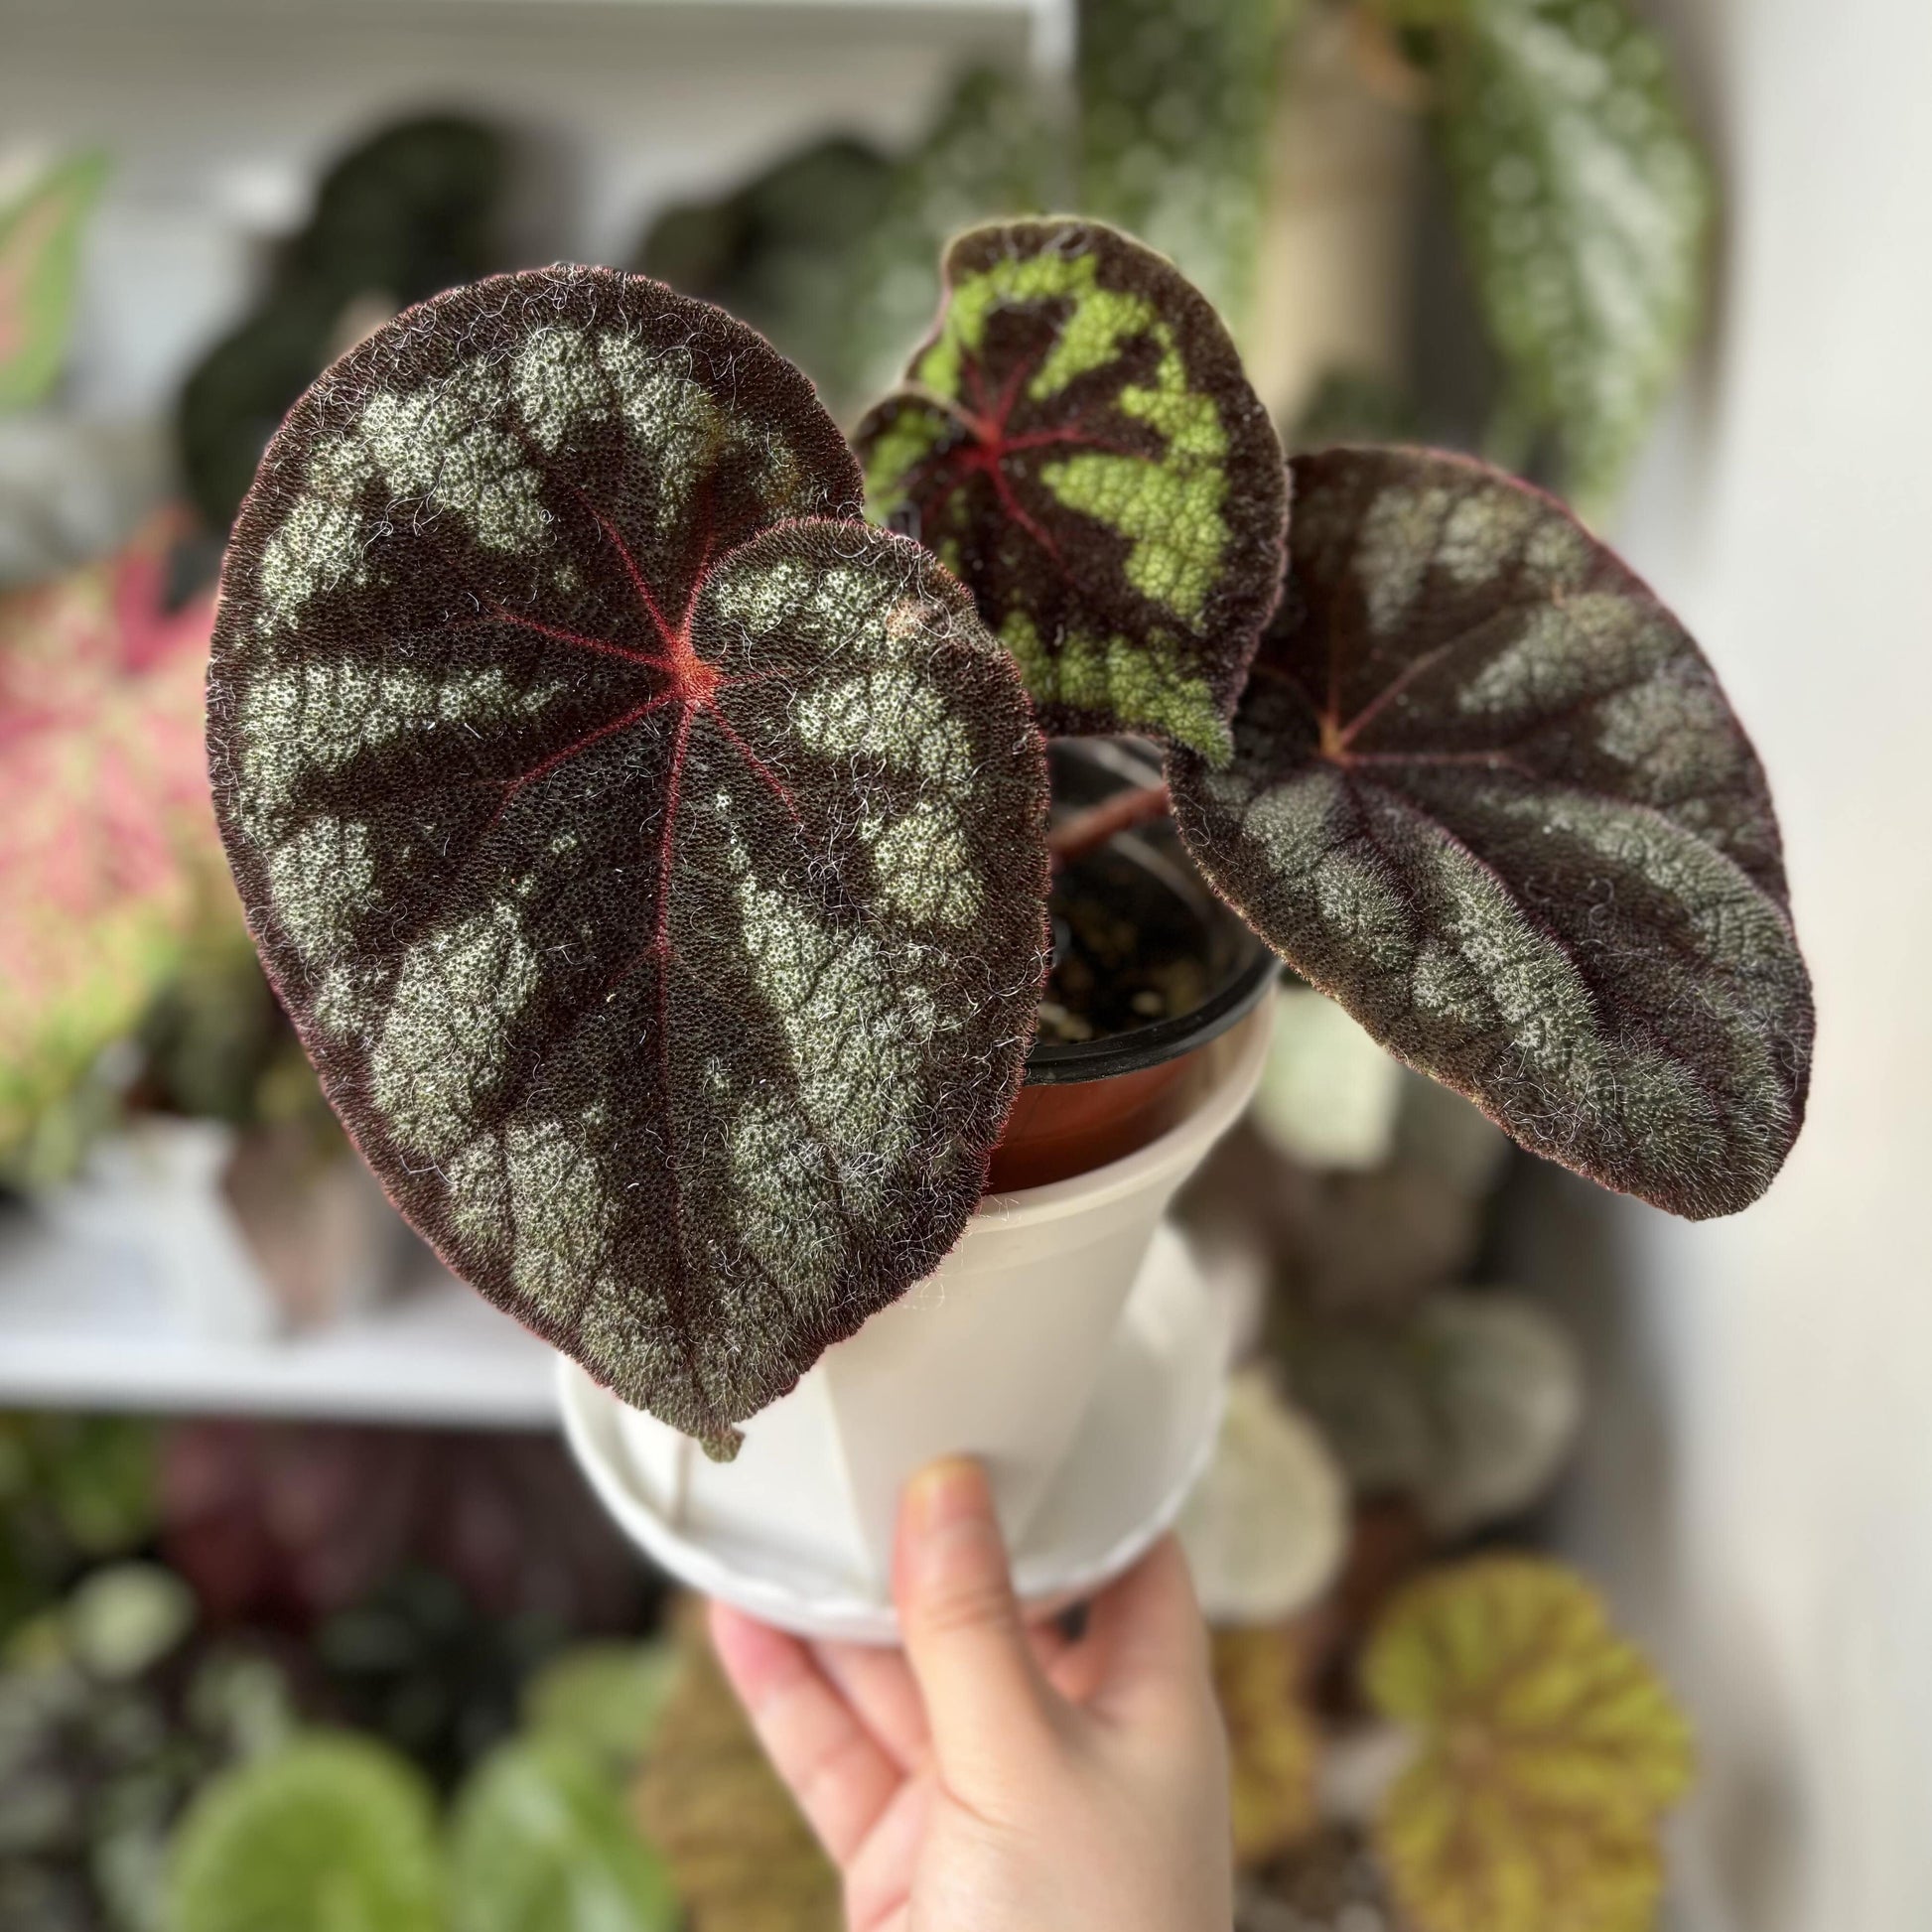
650 853
1584 203
1487 793
1076 440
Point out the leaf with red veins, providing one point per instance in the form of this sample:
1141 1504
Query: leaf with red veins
1076 440
1487 793
109 857
650 852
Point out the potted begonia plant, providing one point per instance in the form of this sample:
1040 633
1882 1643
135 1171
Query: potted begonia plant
654 853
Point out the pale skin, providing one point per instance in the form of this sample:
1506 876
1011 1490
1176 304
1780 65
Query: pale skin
992 1778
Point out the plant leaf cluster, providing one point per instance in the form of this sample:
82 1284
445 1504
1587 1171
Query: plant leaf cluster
650 851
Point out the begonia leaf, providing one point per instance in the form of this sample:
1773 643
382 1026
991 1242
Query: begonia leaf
1274 1743
1547 1752
541 1841
110 864
650 853
1487 793
1177 107
1583 205
334 1833
1077 442
40 260
741 1856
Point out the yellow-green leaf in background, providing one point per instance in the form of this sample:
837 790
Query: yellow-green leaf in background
742 1857
331 1834
39 257
540 1842
1272 1743
1547 1750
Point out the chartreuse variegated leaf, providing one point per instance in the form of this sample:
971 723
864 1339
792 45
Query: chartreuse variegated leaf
1584 203
331 1834
1487 793
649 852
40 260
1546 1751
1077 442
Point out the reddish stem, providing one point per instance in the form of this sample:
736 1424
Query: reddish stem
1086 831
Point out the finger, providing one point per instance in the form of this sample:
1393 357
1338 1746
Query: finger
833 1765
878 1880
984 1697
879 1685
1146 1635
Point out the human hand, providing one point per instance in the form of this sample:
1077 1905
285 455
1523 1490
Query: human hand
995 1779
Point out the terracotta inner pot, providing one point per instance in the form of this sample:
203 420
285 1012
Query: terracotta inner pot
1090 1102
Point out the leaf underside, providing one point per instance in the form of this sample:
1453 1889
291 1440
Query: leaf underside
1487 793
649 852
1547 1751
1077 442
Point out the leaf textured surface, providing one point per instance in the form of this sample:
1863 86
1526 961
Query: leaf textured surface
1583 205
649 852
1076 441
1487 793
1547 1751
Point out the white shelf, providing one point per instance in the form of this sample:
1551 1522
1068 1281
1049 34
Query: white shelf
86 1327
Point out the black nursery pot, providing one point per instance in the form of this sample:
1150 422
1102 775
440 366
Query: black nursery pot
1136 931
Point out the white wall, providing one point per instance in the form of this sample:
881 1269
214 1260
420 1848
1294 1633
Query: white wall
1760 1494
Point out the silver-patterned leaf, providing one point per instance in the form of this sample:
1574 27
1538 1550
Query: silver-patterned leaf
650 855
1487 793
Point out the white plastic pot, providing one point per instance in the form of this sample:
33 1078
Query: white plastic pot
997 1354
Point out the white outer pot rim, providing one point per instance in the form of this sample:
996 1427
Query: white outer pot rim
1178 1149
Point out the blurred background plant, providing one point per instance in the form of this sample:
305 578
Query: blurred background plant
316 1675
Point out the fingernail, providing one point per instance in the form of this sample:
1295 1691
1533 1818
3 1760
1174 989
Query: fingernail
945 1492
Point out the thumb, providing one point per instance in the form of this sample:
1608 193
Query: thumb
964 1638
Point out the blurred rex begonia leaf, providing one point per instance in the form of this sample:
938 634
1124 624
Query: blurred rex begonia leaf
1583 205
1547 1749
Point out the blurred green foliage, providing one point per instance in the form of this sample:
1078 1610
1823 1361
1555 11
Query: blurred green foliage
74 1489
409 212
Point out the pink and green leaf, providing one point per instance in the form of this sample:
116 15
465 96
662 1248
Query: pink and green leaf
108 858
1077 442
40 259
1487 793
649 851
